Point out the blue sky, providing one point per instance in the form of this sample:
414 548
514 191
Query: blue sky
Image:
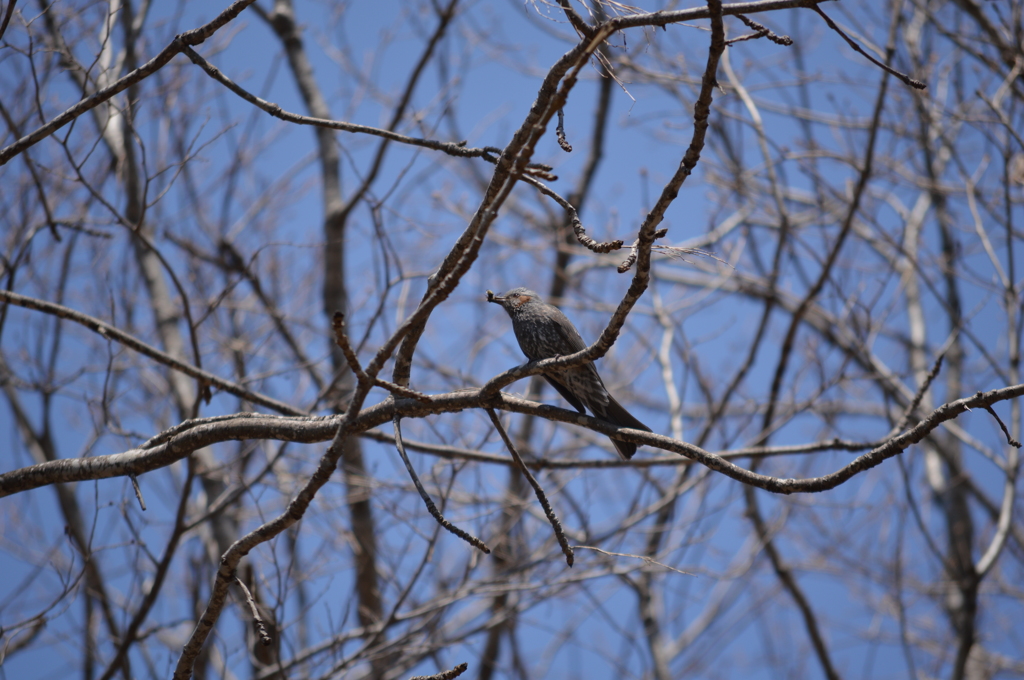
426 199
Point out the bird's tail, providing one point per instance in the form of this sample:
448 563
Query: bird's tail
615 414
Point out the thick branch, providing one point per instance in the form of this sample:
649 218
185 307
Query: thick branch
176 444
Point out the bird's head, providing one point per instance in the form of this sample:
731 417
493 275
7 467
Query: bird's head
514 299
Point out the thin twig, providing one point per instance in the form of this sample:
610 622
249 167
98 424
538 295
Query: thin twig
574 219
1010 440
857 48
784 40
555 524
341 340
431 508
261 628
400 391
586 241
644 558
628 263
138 491
909 412
560 132
747 36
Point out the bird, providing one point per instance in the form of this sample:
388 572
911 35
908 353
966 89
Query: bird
543 332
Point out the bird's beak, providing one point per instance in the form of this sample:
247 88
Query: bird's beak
491 297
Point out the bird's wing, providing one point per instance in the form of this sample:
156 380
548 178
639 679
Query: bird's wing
587 387
566 393
567 331
574 341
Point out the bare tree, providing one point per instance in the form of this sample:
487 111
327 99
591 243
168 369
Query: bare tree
789 227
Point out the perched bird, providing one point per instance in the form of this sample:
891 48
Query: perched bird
543 332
